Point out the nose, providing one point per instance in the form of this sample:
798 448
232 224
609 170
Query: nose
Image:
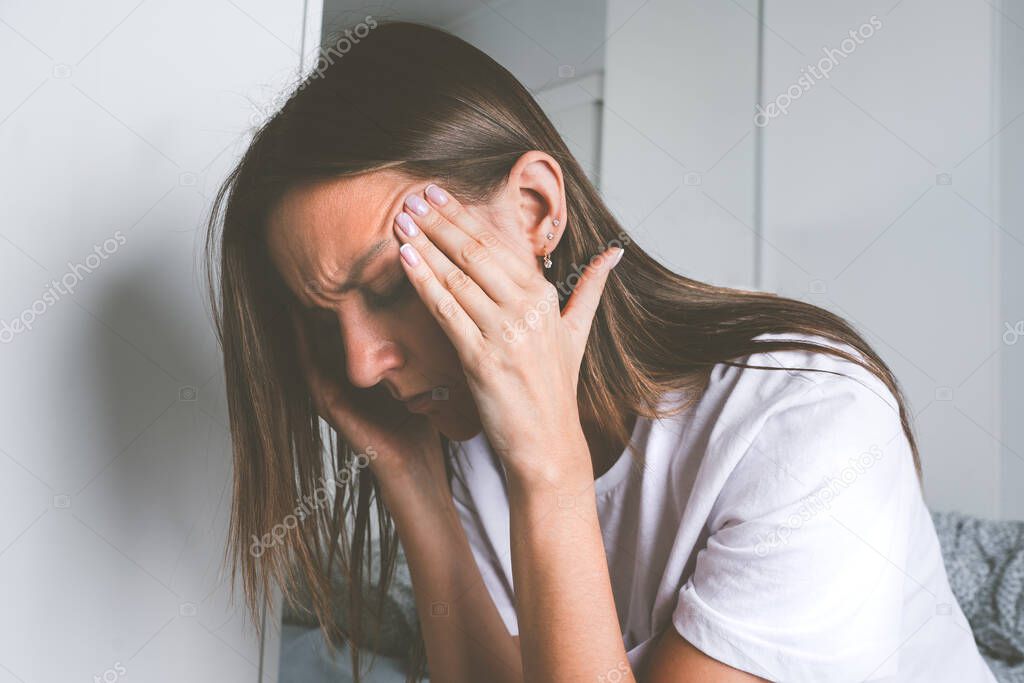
370 351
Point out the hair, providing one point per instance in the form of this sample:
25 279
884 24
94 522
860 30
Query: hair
420 101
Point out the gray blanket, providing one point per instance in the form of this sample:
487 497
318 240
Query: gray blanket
985 563
984 560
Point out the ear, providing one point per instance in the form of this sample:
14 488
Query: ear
535 192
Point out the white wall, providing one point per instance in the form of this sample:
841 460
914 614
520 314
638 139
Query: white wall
889 192
878 192
117 121
678 153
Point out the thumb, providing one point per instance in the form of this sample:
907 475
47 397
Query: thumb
578 314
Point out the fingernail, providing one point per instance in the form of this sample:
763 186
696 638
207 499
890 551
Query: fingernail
406 223
622 250
409 254
417 205
436 194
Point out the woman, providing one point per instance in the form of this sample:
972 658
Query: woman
597 468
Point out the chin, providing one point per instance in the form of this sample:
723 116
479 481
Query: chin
457 428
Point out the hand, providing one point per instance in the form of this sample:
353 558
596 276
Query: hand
369 420
520 354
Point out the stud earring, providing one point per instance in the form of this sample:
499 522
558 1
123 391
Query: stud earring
550 235
555 222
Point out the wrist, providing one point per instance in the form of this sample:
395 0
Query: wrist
417 475
560 462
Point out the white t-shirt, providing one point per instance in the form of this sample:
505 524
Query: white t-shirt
777 525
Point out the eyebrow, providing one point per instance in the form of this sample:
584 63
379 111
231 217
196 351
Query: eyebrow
361 263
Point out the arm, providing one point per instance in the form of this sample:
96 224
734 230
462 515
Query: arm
525 386
674 660
409 469
465 638
564 601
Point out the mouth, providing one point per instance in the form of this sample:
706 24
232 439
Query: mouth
420 403
403 398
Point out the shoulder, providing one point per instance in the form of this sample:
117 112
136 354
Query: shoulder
806 475
798 384
775 435
781 372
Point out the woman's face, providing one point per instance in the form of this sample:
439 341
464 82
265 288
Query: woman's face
335 247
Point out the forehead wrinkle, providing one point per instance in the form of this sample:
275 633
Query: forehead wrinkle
337 207
361 263
389 205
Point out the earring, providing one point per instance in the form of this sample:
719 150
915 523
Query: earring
547 259
555 222
550 235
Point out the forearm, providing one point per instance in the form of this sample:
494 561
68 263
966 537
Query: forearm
465 637
568 625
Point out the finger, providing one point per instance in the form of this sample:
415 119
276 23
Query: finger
473 246
473 299
579 311
442 304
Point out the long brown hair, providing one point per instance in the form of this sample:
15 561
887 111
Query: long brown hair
418 100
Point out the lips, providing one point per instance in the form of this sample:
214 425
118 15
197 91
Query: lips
405 398
439 392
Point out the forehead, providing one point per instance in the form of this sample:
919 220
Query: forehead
317 230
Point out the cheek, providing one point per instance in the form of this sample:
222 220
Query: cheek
416 332
423 338
428 344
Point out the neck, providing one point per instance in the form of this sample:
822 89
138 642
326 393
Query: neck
603 453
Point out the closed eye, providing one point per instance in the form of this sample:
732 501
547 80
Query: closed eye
394 291
393 295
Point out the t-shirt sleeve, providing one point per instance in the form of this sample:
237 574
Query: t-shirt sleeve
800 578
480 511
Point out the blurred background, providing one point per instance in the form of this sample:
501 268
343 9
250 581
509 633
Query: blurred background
866 157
